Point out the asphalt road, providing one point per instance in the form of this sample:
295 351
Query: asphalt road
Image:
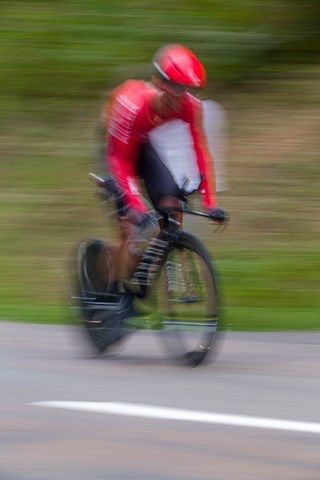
274 375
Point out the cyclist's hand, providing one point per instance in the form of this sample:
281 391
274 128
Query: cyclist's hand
218 215
108 190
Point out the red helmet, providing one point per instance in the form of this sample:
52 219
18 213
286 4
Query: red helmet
178 65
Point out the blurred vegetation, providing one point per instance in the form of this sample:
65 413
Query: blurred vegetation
75 48
56 61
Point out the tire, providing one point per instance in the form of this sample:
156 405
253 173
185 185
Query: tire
190 306
95 297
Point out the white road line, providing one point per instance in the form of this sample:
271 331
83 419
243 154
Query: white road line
149 411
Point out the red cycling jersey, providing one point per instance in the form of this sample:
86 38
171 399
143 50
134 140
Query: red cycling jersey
129 119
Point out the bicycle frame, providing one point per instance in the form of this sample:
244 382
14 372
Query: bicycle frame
154 254
151 261
174 271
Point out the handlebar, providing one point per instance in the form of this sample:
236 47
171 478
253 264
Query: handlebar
99 180
113 191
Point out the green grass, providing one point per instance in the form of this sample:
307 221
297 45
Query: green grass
272 319
37 313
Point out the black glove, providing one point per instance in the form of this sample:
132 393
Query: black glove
218 215
112 189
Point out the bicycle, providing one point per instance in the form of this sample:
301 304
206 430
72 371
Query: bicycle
174 272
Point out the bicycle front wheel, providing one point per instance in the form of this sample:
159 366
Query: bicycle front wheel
189 303
94 294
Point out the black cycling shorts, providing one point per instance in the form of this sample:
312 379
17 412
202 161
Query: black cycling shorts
157 178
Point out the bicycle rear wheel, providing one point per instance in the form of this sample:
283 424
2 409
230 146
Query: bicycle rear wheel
190 304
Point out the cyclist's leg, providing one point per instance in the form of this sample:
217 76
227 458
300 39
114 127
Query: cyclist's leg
164 195
125 258
160 185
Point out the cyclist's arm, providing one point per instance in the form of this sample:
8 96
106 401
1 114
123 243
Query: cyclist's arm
204 159
121 153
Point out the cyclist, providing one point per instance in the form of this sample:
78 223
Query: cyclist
136 107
